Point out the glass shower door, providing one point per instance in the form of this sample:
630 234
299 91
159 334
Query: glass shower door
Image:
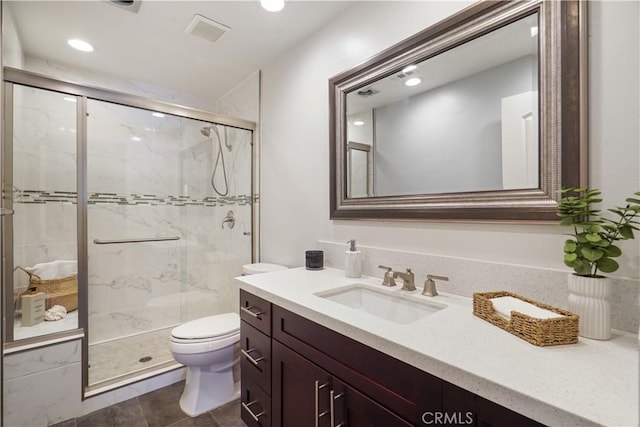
169 226
136 253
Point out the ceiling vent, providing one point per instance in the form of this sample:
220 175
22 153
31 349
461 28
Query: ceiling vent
130 5
206 28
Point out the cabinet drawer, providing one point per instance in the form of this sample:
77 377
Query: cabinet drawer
255 408
255 311
255 361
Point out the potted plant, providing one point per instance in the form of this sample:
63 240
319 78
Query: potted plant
591 251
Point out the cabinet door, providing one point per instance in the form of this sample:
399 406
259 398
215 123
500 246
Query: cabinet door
464 407
300 390
348 407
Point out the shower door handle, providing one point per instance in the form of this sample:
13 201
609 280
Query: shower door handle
4 212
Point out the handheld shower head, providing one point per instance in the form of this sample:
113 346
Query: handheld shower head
206 131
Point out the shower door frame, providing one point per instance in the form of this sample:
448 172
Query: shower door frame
83 93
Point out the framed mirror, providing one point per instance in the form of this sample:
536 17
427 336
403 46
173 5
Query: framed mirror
481 117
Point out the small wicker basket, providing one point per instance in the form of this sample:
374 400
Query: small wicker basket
540 332
63 291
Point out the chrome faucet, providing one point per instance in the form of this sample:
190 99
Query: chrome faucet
408 280
389 279
430 286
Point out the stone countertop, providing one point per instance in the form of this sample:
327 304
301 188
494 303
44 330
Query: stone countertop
588 383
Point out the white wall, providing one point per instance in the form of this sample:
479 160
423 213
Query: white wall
295 140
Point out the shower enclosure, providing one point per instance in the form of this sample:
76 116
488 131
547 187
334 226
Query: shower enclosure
154 201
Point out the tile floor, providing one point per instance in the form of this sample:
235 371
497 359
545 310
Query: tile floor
159 408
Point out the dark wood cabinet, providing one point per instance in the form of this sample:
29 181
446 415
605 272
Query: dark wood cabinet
306 395
296 373
479 412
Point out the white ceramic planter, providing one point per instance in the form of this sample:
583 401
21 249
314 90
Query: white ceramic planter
588 298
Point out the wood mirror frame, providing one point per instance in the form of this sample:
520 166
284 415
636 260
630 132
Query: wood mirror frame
562 116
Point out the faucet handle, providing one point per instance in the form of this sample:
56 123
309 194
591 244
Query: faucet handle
388 276
430 285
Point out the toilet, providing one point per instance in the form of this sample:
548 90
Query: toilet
209 348
261 267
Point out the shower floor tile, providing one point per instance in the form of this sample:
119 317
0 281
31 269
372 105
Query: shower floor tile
113 359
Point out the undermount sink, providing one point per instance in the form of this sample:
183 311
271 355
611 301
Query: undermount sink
390 306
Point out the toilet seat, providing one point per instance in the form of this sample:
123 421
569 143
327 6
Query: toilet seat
210 328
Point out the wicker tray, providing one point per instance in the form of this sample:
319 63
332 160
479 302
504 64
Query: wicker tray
540 332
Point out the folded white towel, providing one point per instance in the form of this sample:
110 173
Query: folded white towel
54 269
505 305
57 312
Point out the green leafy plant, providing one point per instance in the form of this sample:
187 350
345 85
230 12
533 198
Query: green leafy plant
592 249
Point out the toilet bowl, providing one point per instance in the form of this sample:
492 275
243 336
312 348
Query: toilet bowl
209 348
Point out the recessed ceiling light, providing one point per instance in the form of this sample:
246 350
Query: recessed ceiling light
413 82
358 123
272 5
157 114
409 68
80 45
136 138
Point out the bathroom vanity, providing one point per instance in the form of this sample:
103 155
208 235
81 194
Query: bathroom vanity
310 361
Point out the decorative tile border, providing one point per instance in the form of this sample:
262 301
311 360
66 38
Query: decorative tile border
133 199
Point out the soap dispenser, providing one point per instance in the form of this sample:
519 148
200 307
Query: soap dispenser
353 262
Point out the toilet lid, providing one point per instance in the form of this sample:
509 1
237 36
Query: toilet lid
262 267
218 326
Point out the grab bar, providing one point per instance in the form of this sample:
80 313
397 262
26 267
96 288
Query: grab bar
148 239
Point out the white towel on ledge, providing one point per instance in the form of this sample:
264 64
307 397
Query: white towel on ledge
54 269
505 305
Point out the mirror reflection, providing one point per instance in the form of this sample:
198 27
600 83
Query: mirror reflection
465 120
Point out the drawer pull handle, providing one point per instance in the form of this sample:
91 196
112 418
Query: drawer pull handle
251 313
245 406
332 398
249 357
319 415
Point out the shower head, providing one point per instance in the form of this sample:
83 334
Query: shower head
206 131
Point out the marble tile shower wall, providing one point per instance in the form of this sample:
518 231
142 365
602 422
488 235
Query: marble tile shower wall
467 276
147 177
